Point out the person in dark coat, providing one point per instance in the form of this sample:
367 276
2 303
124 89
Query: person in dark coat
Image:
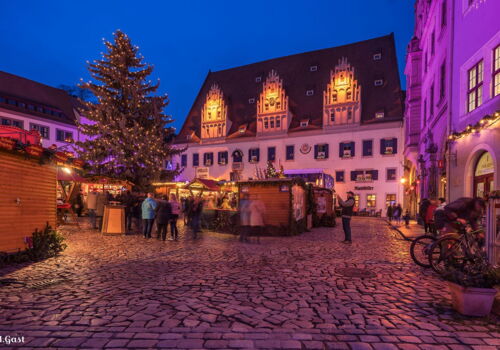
347 210
128 200
389 212
422 212
163 216
465 211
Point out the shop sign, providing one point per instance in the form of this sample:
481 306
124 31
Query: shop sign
202 173
362 188
485 165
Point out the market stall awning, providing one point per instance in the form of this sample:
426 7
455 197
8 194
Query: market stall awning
63 175
206 184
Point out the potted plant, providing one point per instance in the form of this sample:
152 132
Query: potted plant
472 286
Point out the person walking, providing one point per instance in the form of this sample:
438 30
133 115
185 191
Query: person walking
148 214
163 215
78 203
195 215
137 213
398 212
101 202
128 201
422 212
91 207
244 217
389 212
347 210
257 209
176 210
429 217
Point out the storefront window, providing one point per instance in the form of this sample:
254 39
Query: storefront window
484 175
371 200
390 199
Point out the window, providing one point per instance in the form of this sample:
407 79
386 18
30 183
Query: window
237 156
378 82
11 102
43 130
377 56
389 146
431 102
304 123
443 14
184 160
496 71
309 92
13 122
64 136
349 113
346 149
390 174
356 200
364 175
251 100
313 68
272 123
278 122
321 151
290 152
208 159
266 123
367 148
475 86
340 176
258 79
242 129
379 115
271 154
332 116
196 159
390 199
253 155
371 200
222 158
442 78
2 99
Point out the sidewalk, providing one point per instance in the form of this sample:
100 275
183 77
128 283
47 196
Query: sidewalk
409 233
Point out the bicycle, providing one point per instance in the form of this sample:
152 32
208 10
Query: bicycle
457 249
419 250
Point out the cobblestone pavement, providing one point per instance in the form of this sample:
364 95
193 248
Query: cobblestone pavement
217 293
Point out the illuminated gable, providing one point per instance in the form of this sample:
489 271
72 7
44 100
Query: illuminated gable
272 107
342 97
214 114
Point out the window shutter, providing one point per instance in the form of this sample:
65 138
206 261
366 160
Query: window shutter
374 174
395 145
354 174
352 148
341 150
382 146
257 153
316 151
326 151
250 155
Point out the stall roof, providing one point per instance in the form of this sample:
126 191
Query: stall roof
304 171
63 176
211 185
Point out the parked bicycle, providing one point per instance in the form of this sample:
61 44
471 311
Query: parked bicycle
457 249
420 248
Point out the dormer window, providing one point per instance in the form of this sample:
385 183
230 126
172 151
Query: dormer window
378 82
379 115
258 79
309 92
313 68
242 129
377 56
251 100
304 123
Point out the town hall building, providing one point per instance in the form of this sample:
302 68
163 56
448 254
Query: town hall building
336 112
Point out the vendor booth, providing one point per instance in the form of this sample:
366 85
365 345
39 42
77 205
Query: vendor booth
285 202
323 213
314 176
103 184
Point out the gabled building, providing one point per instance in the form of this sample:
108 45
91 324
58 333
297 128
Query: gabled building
29 105
338 111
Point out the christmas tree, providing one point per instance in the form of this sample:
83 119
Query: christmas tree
271 171
127 133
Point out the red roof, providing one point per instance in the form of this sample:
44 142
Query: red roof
211 185
239 85
49 102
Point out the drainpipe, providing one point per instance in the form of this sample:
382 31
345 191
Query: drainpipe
450 104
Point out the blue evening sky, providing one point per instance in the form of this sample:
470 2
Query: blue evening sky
50 41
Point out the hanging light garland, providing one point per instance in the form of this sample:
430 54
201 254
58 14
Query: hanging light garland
485 123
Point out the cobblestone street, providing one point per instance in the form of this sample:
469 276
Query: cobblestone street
217 293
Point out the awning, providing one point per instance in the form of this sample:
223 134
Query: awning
206 184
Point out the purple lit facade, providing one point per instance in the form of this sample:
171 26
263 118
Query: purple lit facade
451 62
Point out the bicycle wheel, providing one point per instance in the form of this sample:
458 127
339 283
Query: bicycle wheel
445 251
419 250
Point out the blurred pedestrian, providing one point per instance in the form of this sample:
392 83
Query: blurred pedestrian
244 217
389 212
195 215
101 202
91 207
397 213
257 209
174 204
429 217
148 214
163 215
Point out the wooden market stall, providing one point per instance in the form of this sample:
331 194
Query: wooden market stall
285 202
323 214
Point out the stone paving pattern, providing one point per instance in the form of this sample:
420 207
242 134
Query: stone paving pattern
217 293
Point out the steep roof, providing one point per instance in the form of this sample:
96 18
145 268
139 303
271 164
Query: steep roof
239 85
49 102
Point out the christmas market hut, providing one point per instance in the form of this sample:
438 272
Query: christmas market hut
323 213
284 200
28 186
103 184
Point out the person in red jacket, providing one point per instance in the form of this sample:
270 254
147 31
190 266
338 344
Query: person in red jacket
429 216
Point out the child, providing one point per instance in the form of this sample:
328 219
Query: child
406 218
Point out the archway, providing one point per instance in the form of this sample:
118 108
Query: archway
484 174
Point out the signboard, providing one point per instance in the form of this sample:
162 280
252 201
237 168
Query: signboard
484 165
361 188
202 173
